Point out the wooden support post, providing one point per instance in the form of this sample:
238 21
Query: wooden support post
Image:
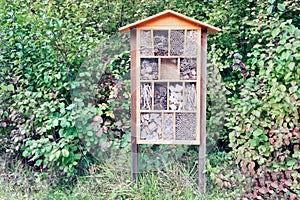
134 146
202 147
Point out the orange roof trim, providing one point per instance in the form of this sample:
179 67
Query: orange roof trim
210 28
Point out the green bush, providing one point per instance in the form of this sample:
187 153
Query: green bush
264 118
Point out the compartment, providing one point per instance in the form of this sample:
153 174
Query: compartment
161 42
160 96
169 69
190 96
145 43
168 124
151 124
185 126
175 96
192 42
146 96
188 68
149 69
176 42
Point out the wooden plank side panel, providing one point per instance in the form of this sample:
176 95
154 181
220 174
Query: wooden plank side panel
199 85
134 146
202 147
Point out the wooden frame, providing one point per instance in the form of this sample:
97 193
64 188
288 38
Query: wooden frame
167 81
167 21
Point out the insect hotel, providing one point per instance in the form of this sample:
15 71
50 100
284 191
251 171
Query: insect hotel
168 82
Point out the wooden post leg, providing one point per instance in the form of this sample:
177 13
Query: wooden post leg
202 147
134 145
201 167
134 160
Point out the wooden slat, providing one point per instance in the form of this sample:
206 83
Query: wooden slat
202 147
187 142
168 56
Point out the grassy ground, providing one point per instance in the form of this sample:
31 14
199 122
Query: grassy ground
105 181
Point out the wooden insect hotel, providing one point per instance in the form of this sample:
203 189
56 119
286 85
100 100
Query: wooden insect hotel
168 82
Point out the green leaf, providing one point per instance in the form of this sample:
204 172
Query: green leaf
55 122
270 9
25 153
281 7
254 142
291 162
291 66
65 153
256 113
77 156
282 88
275 32
264 137
10 87
57 154
257 132
38 162
59 23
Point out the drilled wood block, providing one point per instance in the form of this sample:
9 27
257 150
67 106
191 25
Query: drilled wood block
151 126
149 69
185 126
176 42
146 96
160 96
145 43
190 97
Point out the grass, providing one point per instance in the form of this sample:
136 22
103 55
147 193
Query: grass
105 181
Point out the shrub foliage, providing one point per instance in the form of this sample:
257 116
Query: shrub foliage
65 100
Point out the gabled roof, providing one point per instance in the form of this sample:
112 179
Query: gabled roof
210 28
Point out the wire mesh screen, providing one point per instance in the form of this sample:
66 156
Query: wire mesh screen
186 126
145 43
161 44
151 124
188 68
168 126
149 69
191 43
176 42
146 96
